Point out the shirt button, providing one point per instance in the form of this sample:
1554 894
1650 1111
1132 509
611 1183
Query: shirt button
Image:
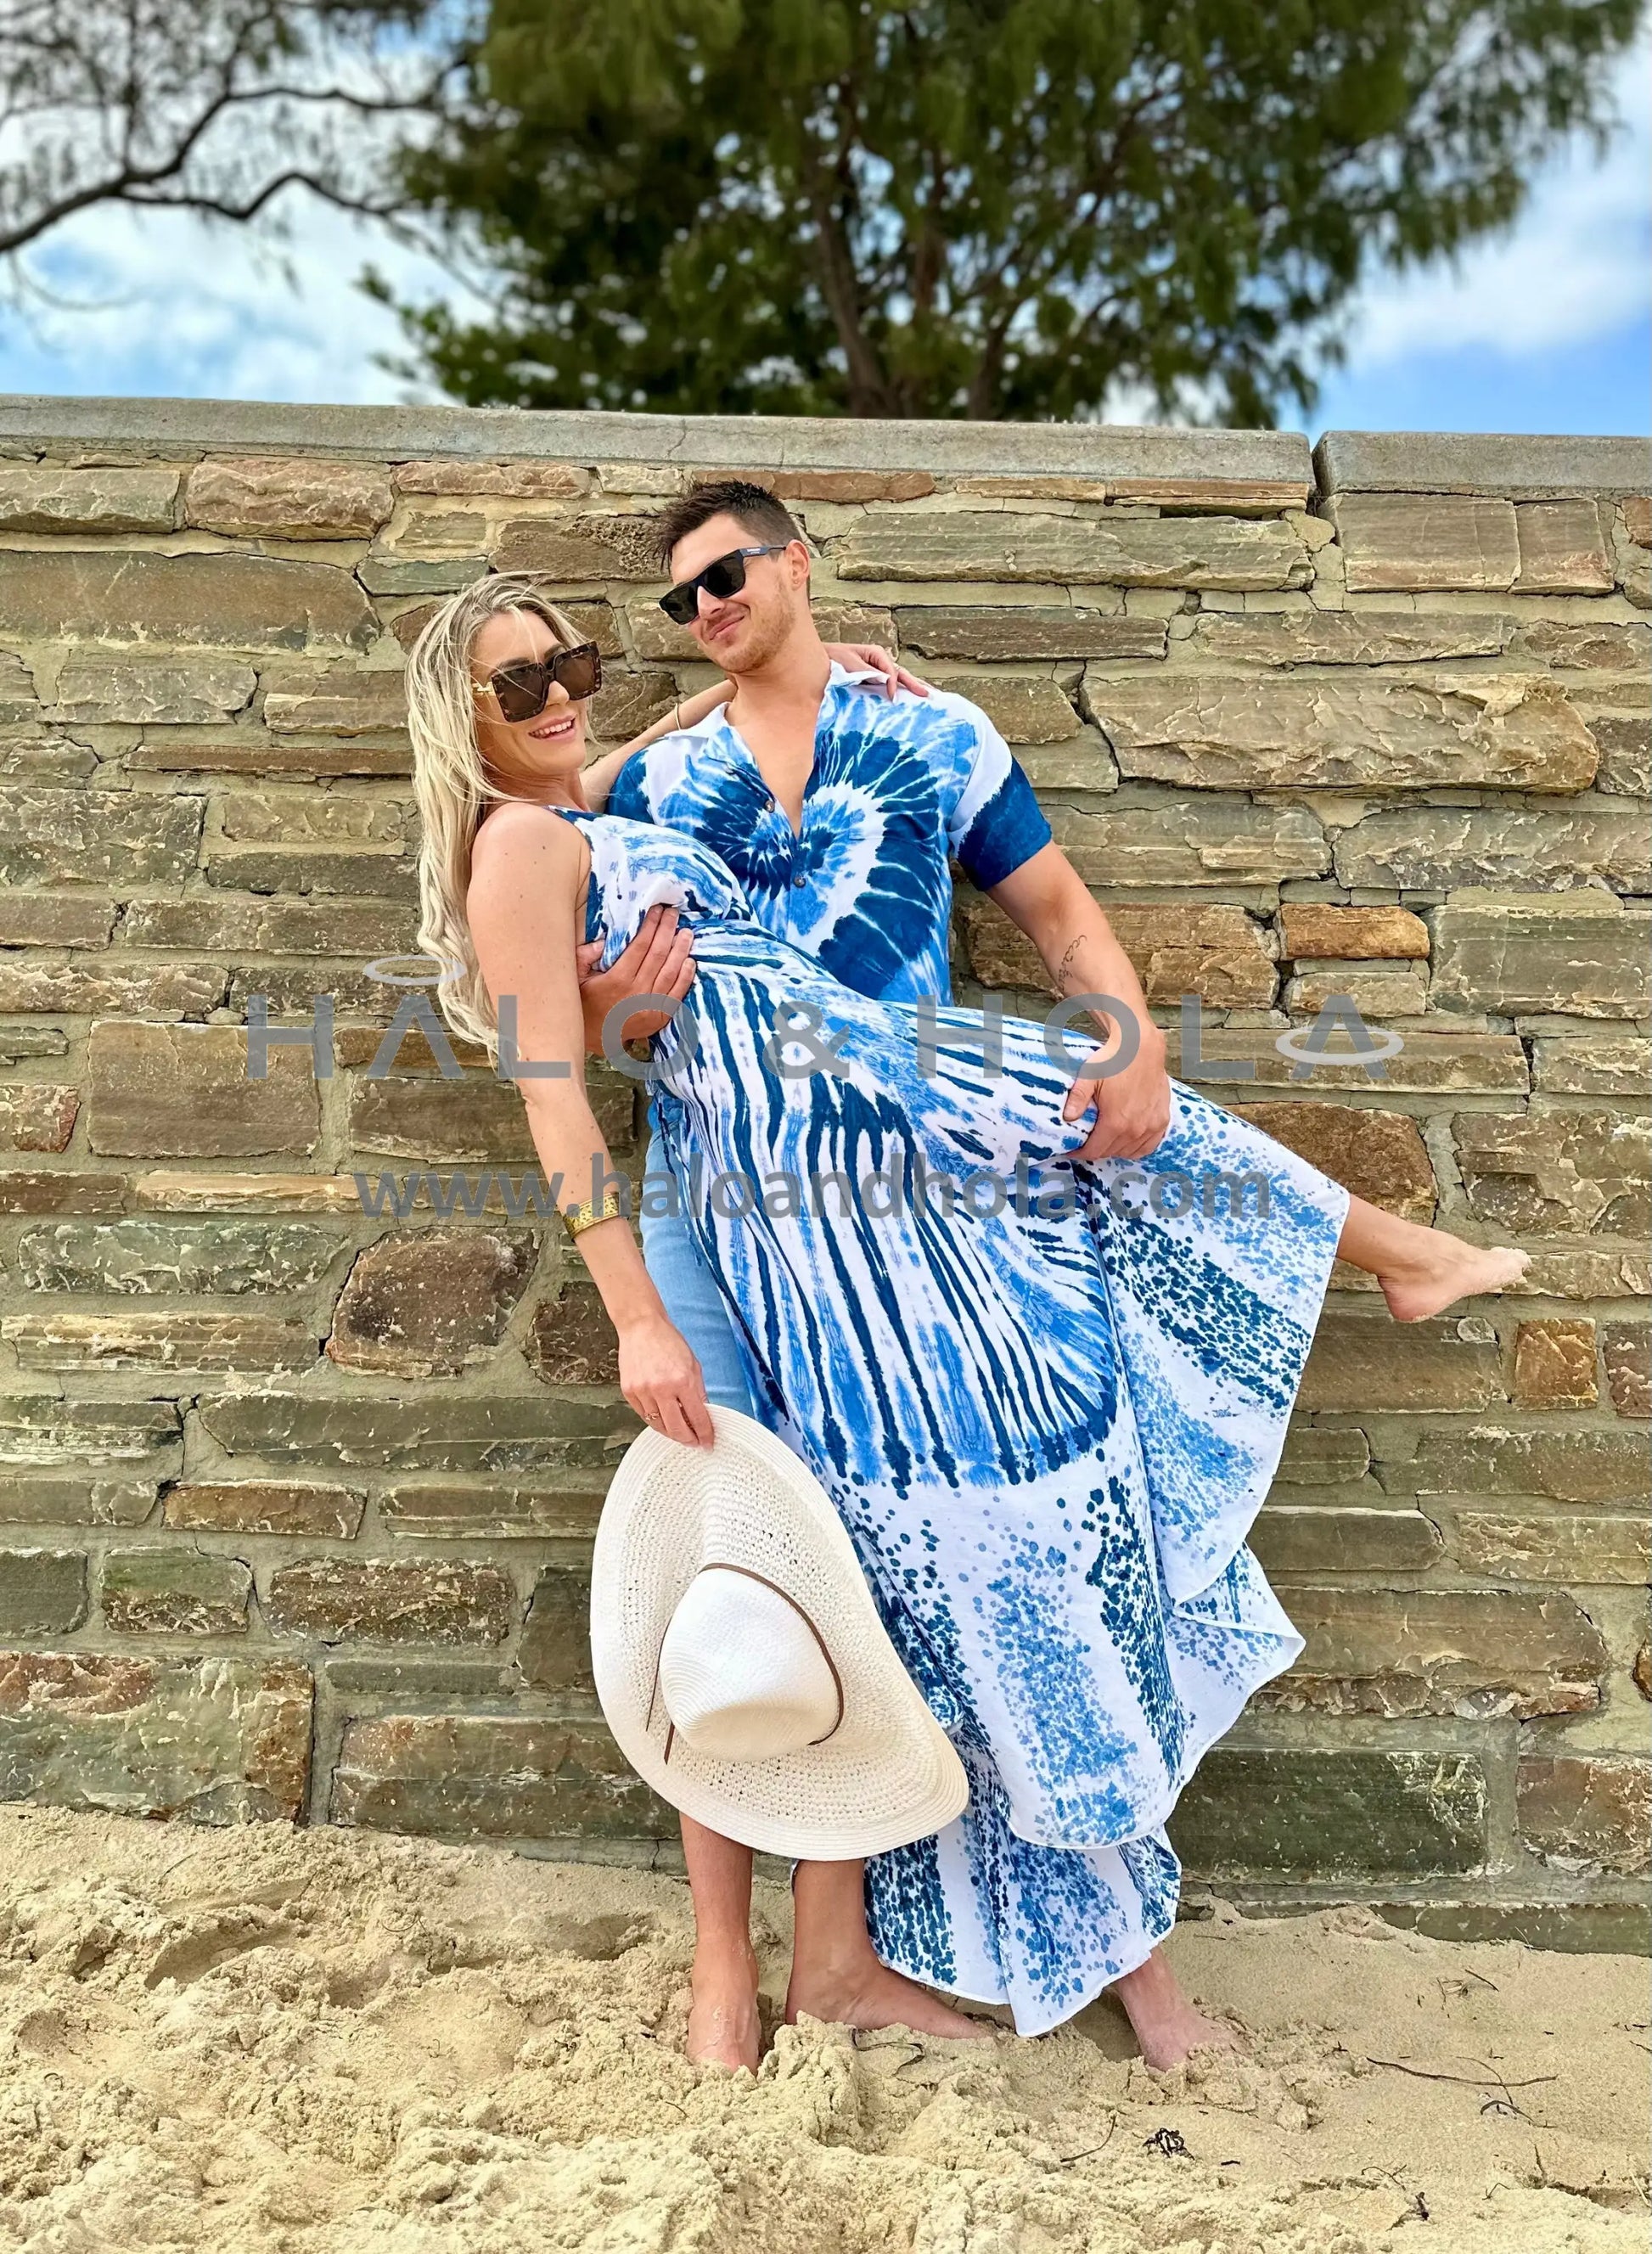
798 883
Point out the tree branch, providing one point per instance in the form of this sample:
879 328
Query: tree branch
868 385
134 101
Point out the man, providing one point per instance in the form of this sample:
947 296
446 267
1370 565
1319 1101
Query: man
838 811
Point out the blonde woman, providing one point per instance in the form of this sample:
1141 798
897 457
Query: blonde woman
458 787
1046 1426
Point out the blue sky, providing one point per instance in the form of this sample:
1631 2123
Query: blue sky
1546 330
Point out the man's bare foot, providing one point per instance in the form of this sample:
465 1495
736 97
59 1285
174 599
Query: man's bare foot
724 2027
867 1994
1166 2025
1447 1270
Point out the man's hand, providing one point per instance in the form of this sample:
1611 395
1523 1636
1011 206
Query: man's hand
1051 902
1131 1107
660 960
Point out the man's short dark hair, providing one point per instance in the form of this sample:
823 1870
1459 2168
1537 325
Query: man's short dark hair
751 506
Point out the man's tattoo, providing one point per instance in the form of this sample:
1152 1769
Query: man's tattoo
1065 965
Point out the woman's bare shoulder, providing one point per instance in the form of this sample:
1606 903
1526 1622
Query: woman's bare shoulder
523 850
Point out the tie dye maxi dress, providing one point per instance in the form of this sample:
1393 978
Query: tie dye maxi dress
1046 1417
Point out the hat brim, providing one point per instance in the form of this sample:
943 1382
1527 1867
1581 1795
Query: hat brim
888 1774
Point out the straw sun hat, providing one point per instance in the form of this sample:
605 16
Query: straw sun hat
740 1659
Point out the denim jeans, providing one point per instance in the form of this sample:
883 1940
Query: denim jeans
694 1304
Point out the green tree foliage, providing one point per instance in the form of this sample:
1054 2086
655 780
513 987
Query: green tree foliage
990 209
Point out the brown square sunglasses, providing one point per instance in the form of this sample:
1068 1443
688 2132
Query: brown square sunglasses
523 689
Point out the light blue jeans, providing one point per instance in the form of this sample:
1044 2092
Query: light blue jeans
694 1304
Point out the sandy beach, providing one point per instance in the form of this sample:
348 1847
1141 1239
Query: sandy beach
264 2040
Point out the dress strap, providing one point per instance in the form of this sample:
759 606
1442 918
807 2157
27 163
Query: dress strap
574 814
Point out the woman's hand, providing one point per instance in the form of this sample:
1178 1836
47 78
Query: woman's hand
860 655
661 1379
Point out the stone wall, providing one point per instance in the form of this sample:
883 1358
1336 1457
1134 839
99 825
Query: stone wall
294 1503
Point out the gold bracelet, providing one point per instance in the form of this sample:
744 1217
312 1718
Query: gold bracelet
676 712
578 1218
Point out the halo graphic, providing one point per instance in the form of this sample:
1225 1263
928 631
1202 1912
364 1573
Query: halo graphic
1378 1045
452 968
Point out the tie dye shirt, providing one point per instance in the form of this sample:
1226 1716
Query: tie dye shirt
898 784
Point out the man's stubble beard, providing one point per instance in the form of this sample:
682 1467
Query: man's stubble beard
768 636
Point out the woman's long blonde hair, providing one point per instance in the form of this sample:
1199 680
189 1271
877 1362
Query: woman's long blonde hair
451 786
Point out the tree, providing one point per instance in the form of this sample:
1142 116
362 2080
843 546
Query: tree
987 208
210 106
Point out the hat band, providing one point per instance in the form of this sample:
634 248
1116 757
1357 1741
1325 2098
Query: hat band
721 1565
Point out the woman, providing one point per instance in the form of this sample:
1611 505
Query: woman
1046 1423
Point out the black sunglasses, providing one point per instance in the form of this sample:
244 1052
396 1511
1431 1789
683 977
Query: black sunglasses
523 689
725 577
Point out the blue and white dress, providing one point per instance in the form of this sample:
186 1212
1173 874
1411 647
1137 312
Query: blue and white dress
1047 1416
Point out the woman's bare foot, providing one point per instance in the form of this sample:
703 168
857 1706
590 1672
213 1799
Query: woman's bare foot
724 2027
1166 2022
1444 1270
867 1994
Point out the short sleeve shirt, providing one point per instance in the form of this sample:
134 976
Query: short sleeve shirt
898 785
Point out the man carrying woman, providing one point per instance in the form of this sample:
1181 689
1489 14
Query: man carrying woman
1046 1429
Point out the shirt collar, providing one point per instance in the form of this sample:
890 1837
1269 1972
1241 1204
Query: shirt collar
840 673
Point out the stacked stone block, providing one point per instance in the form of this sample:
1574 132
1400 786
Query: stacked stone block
295 1499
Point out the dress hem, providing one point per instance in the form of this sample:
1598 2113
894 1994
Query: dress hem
1028 2035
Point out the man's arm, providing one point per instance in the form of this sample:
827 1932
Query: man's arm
1051 902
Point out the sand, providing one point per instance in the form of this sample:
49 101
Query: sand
264 2040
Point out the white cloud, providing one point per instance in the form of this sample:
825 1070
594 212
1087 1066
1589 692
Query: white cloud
176 307
1574 266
